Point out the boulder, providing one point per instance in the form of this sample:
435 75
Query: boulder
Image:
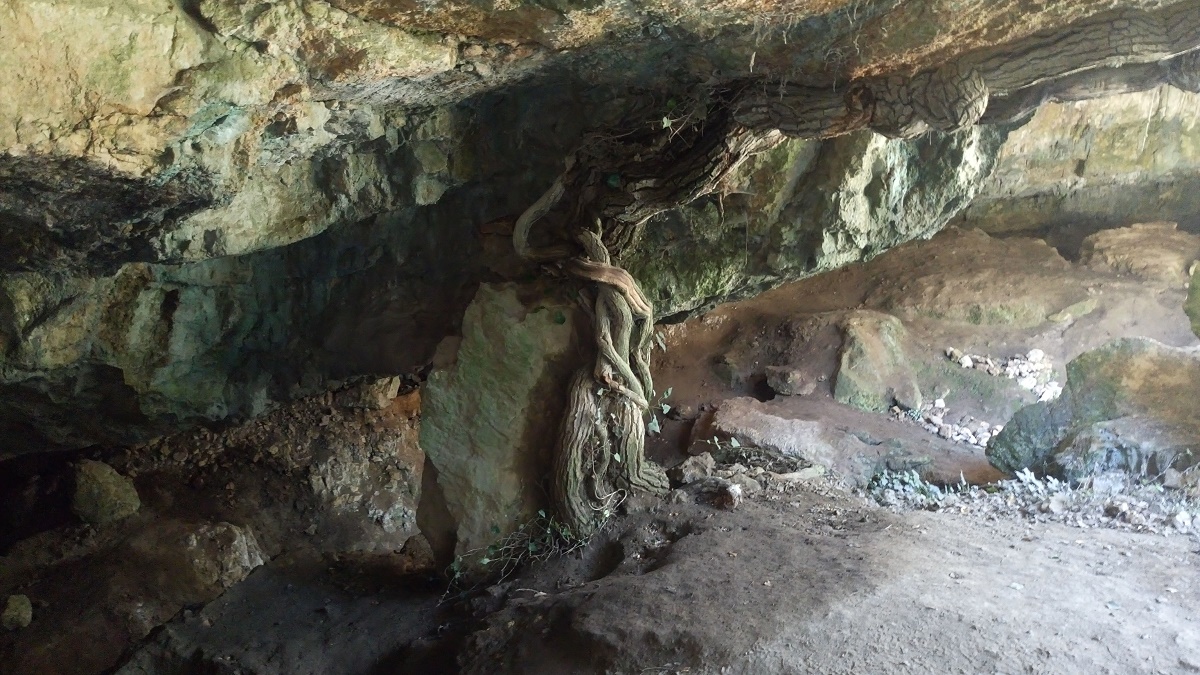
222 554
1130 404
370 395
875 372
18 613
102 495
692 469
1136 445
789 381
490 418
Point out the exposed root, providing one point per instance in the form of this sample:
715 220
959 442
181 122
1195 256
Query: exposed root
601 455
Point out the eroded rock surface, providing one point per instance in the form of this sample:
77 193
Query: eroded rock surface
1079 166
875 372
215 208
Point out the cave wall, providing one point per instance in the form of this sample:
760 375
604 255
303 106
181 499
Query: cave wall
154 347
208 207
1077 167
809 207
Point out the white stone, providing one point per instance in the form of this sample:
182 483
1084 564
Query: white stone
1027 382
966 362
939 403
1182 521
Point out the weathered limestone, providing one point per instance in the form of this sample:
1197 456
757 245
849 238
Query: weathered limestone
1127 158
788 381
804 208
490 419
222 554
1152 251
18 613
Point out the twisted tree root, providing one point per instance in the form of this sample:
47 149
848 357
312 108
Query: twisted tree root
601 449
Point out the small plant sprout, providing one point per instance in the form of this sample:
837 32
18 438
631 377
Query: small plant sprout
537 540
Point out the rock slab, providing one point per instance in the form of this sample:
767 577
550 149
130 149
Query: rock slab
490 418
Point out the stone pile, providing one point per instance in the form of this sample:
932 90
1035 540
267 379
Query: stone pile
933 419
1032 371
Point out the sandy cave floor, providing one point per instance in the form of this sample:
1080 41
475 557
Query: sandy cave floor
811 580
801 578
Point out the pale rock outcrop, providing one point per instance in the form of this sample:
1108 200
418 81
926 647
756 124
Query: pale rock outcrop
490 420
874 372
1086 165
1153 251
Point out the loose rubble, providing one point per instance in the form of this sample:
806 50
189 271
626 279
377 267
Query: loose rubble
732 472
933 418
1110 501
1032 371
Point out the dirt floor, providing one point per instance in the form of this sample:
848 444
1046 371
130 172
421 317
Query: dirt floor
821 582
803 576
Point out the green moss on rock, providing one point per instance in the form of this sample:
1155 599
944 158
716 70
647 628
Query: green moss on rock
875 371
1127 378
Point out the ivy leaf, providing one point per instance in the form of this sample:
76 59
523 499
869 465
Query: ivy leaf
653 426
542 513
666 408
666 122
617 457
667 393
735 443
485 561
